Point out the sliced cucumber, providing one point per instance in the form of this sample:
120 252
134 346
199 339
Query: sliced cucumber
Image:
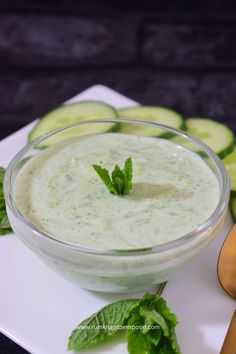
154 114
73 113
216 135
232 205
230 164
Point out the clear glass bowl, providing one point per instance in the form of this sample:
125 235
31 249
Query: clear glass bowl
116 270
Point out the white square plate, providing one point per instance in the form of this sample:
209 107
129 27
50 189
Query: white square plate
38 309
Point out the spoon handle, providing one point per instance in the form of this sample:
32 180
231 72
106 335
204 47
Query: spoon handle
229 345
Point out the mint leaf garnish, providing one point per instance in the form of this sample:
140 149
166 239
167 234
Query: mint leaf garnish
104 175
148 323
101 325
5 227
120 181
128 173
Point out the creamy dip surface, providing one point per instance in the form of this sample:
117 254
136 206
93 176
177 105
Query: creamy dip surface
174 191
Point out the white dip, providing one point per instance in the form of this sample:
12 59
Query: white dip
174 191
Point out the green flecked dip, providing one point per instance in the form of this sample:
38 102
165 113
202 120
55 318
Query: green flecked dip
174 191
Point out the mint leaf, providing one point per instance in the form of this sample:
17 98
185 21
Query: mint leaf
119 185
101 325
138 343
120 182
117 173
4 223
2 203
164 347
154 336
2 172
155 312
128 173
133 320
163 309
147 324
157 319
5 227
104 175
5 231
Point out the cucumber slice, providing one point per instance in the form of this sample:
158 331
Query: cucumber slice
232 206
230 164
153 114
73 113
216 135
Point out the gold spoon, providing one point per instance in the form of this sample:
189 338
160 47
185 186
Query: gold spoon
226 266
226 272
229 345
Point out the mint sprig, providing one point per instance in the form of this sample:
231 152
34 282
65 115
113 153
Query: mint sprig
148 323
5 227
120 181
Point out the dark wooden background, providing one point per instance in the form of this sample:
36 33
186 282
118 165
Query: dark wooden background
179 54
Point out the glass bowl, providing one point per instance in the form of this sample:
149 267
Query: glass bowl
111 270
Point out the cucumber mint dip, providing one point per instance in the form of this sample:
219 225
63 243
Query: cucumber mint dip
173 192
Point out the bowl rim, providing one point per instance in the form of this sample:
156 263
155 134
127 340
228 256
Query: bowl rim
224 191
